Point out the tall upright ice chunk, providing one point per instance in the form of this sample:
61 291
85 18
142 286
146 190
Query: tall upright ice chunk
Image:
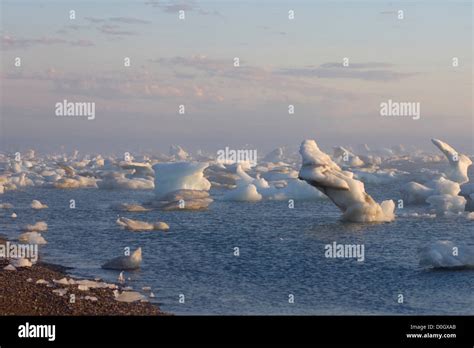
171 177
458 163
348 194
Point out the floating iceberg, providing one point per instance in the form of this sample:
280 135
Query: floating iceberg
183 200
178 153
345 157
374 175
446 204
247 187
220 176
75 182
415 193
445 254
171 177
243 193
131 207
280 174
32 238
181 185
259 183
118 180
458 163
136 225
38 205
40 226
275 156
125 262
346 193
295 189
141 170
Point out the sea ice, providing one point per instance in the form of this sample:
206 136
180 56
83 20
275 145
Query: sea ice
178 153
243 193
125 262
129 296
446 254
446 204
171 177
40 226
32 238
295 189
21 262
458 163
347 194
35 204
346 158
136 225
118 180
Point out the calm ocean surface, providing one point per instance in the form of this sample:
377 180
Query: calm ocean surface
281 253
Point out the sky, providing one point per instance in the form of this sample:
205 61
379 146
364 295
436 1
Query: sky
190 62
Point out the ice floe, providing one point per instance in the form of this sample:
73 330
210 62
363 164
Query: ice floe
35 204
446 254
136 225
170 177
121 263
243 193
458 163
347 194
32 238
39 226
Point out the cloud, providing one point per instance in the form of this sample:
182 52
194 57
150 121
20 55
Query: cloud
95 20
185 5
129 20
9 42
114 30
221 77
268 29
123 20
196 78
114 85
213 67
368 65
363 71
67 29
198 62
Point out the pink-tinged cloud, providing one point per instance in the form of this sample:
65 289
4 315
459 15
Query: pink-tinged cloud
129 20
9 42
115 30
174 6
371 71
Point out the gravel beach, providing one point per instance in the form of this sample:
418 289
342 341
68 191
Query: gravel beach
22 294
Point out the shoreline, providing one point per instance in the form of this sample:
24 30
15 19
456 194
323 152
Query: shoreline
29 291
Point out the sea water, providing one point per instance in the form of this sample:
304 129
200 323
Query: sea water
254 258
